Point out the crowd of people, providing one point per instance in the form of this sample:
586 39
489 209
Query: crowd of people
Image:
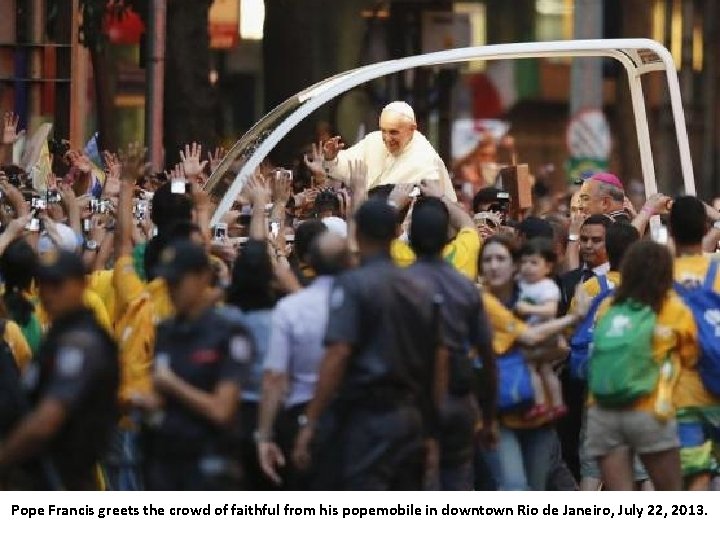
359 321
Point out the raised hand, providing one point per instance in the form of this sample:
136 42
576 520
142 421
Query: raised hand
113 166
80 161
400 195
12 194
281 188
357 180
10 124
657 203
52 181
431 188
16 227
332 147
216 158
191 161
177 173
314 160
258 191
132 162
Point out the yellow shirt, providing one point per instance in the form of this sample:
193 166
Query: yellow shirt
129 287
90 300
18 344
462 252
101 283
506 327
675 337
690 391
592 288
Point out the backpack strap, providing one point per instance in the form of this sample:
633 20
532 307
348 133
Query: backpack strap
711 274
604 284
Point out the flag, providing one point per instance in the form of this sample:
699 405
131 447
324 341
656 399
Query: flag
92 151
42 169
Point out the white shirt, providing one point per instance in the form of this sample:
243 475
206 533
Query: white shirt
601 270
542 292
417 161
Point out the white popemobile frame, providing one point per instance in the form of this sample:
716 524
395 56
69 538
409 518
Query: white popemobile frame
638 56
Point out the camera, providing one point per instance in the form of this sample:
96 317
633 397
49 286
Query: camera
220 232
37 203
180 187
97 206
140 209
245 216
287 173
33 225
274 227
502 204
59 147
54 197
87 225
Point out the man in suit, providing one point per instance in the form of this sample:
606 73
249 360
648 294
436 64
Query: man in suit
593 261
593 257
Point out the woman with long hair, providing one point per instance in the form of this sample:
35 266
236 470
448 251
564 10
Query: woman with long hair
17 267
526 447
251 299
643 337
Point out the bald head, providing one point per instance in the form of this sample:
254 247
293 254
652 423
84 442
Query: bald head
329 254
397 125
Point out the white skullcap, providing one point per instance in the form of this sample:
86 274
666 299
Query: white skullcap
401 108
68 240
336 225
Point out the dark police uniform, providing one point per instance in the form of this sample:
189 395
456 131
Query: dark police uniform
77 365
184 450
464 326
372 436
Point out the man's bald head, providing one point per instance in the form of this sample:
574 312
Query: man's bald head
329 254
397 124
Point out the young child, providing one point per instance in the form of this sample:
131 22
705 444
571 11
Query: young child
539 297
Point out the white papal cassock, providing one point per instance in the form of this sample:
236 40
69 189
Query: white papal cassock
417 161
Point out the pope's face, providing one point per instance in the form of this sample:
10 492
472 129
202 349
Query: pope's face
397 131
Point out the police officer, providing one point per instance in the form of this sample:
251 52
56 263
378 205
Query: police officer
73 386
464 327
381 344
198 360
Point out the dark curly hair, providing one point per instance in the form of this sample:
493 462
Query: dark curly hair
634 282
17 266
252 278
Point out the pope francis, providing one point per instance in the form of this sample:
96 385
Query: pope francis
396 154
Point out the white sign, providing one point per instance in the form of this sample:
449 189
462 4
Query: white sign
588 135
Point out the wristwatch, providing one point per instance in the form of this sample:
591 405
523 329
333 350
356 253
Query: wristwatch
91 245
573 237
304 421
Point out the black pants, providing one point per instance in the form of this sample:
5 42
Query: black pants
458 417
363 449
286 430
192 473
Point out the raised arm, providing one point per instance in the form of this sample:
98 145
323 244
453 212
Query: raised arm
338 159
